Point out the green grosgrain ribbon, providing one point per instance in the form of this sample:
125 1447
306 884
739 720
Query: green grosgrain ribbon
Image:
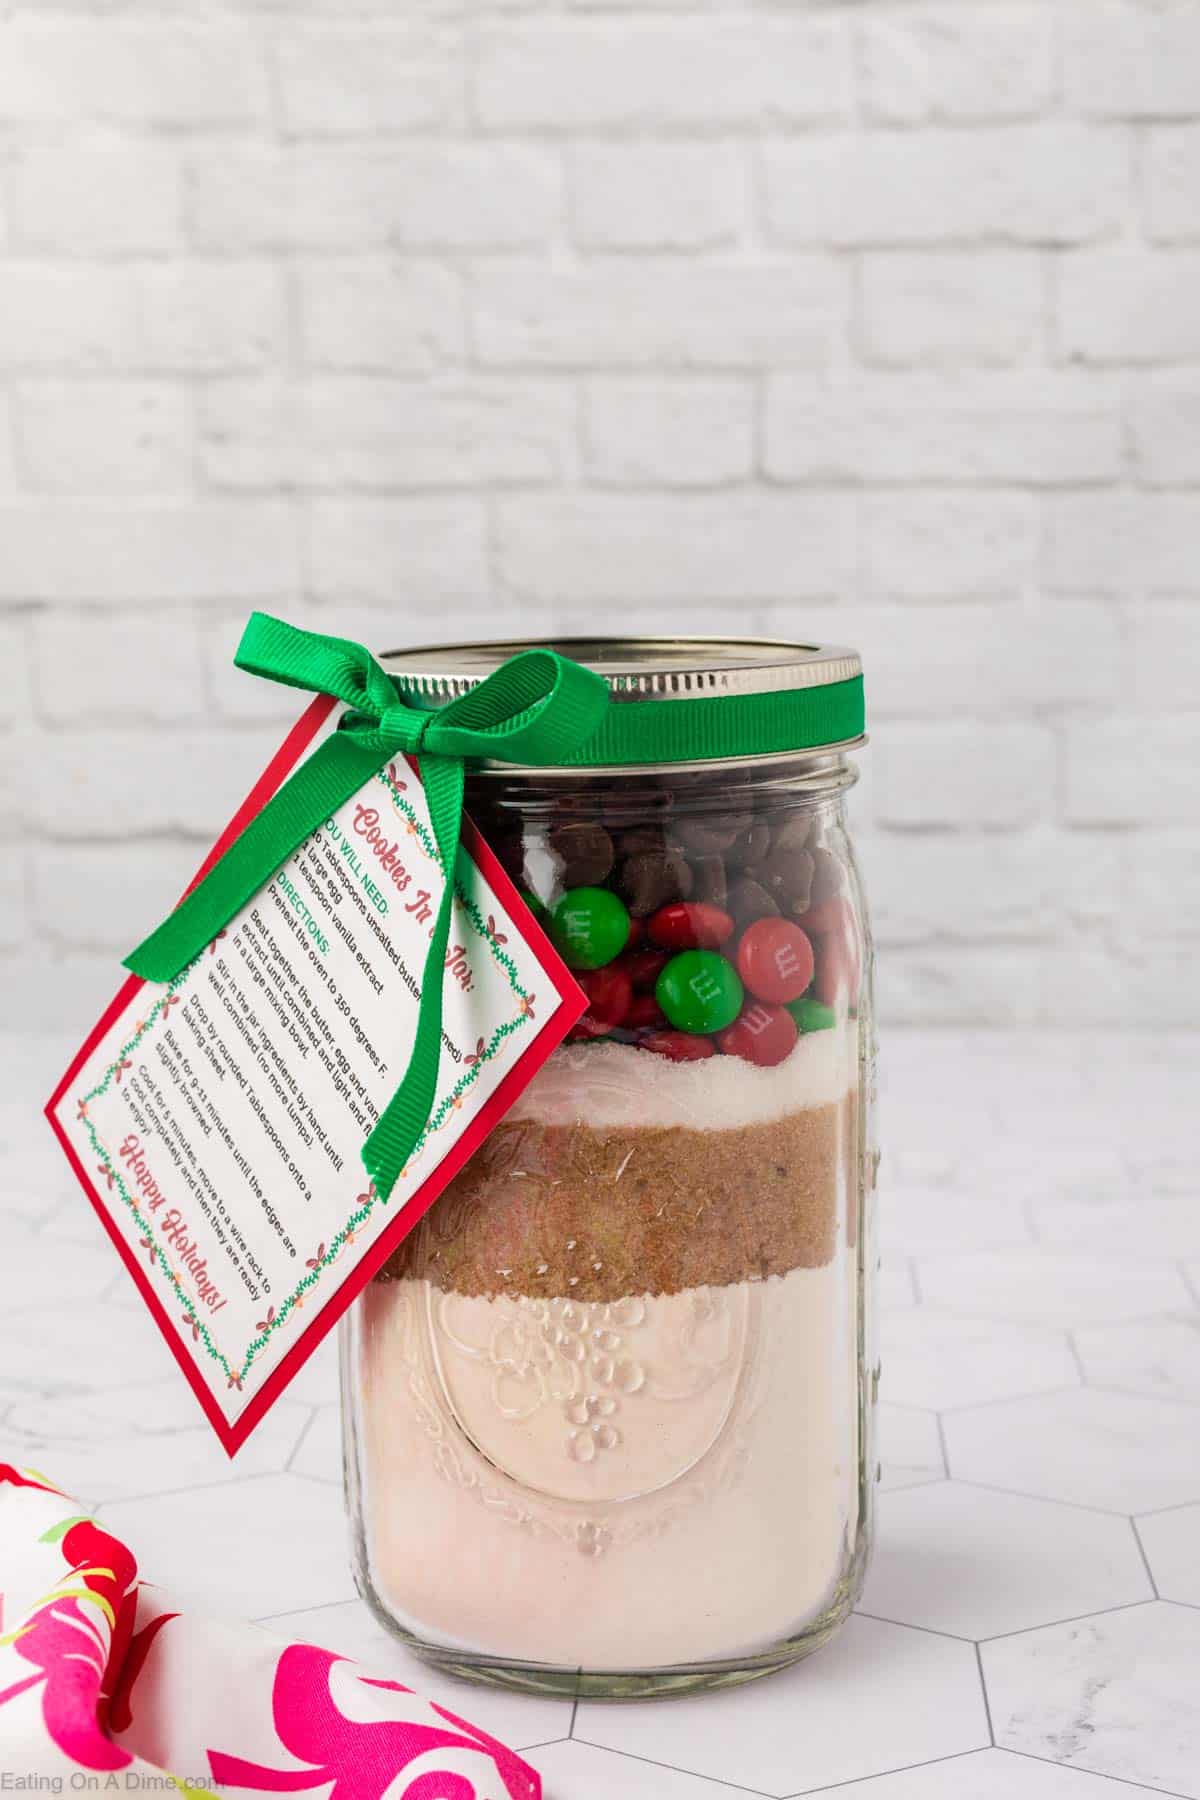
537 708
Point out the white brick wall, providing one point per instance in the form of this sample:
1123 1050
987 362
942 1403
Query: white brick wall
877 321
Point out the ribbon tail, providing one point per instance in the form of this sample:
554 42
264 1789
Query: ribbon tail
336 769
407 1113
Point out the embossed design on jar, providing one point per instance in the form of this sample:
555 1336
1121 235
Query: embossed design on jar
594 1529
592 1539
567 1397
594 1431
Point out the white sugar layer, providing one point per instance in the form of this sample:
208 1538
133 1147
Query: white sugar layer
611 1085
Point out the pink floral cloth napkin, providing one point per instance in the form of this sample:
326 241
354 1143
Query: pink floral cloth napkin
105 1685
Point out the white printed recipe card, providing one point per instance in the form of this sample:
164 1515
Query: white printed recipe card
216 1123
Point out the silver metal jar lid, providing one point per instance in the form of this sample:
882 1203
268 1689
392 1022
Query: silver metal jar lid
651 668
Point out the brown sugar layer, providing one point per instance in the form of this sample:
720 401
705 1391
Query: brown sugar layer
554 1210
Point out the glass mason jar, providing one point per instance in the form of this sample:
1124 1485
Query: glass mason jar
609 1406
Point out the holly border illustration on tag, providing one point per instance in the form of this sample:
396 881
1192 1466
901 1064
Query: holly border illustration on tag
112 1194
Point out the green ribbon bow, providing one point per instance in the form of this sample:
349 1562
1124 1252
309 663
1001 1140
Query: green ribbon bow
535 709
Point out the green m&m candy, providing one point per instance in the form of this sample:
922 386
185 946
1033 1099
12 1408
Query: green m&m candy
812 1015
699 991
589 927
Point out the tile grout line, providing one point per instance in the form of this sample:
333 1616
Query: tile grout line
1099 1612
1137 1538
651 1762
990 1487
987 1704
973 1406
324 1481
199 1487
299 1443
931 1762
954 1637
298 1611
542 1744
1128 1393
1186 1277
1142 1787
1156 1512
890 1484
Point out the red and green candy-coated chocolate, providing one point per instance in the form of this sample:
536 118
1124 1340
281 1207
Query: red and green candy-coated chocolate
689 925
700 992
610 996
644 1011
812 1014
589 926
761 1034
689 978
678 1046
775 960
644 966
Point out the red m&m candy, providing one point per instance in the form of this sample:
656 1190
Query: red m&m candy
689 925
644 967
644 1010
775 960
765 1035
610 995
680 1046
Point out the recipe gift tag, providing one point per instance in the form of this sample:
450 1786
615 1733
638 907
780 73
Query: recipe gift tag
216 1123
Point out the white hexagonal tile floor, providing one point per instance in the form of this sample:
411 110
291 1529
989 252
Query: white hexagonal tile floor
1115 1695
1040 1338
1171 1541
807 1728
95 1346
31 1280
977 1775
108 1447
940 1360
1057 1172
933 1221
317 1383
1118 1451
1151 1356
1050 1287
975 1563
1170 1223
894 1286
575 1771
249 1548
35 1179
910 1447
319 1452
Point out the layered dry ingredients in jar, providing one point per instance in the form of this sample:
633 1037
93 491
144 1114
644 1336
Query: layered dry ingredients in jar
608 1392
